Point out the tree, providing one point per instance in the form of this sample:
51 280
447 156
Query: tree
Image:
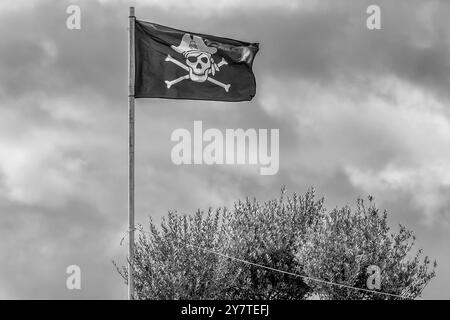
266 234
219 254
167 263
344 244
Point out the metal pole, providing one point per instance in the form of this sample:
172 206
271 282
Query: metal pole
131 71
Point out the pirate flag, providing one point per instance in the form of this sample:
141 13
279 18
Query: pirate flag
177 64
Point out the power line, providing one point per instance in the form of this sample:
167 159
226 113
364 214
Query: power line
295 274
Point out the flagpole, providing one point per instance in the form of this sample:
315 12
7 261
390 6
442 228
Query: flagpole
131 72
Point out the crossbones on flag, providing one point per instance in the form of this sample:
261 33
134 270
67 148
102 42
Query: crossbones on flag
177 64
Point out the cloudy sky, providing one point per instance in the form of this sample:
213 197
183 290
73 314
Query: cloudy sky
360 112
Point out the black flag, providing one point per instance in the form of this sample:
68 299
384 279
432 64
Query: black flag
178 64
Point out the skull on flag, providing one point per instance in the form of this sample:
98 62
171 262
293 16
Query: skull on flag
199 61
199 64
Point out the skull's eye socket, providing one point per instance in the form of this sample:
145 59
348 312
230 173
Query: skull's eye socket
192 59
204 59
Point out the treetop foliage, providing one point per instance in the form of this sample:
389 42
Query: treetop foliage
189 256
